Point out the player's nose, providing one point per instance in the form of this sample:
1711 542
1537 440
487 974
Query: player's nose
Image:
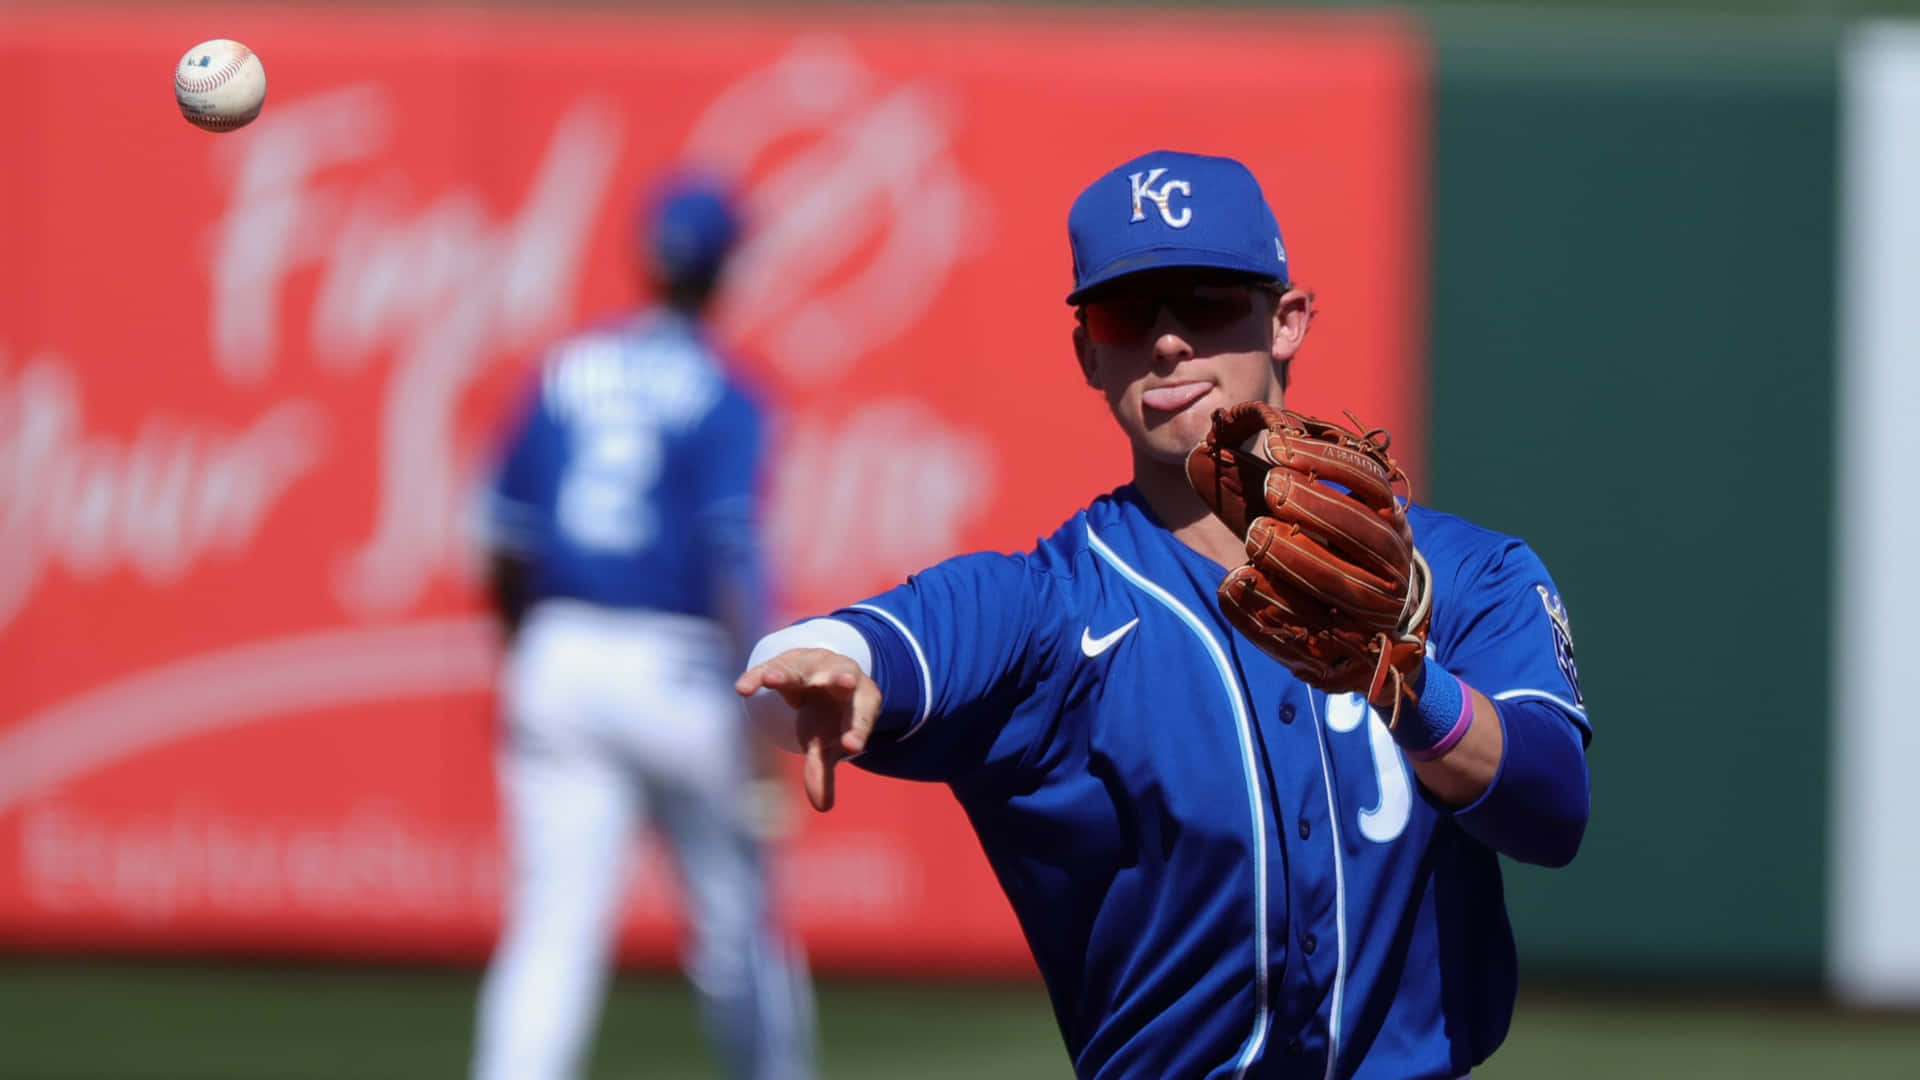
1170 350
1170 344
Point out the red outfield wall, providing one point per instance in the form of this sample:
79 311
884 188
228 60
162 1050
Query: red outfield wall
248 382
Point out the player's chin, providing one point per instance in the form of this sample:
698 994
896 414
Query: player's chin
1170 442
1181 430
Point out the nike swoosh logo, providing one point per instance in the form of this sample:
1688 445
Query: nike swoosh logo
1094 646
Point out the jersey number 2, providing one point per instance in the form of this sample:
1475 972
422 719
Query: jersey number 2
606 495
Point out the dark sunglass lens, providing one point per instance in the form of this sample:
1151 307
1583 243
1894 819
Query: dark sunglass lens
1212 307
1120 320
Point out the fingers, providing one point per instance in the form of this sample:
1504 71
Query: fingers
750 681
796 672
837 730
865 712
771 675
817 774
836 707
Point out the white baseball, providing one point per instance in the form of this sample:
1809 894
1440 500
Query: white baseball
220 85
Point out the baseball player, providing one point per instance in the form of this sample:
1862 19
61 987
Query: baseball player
626 562
1244 739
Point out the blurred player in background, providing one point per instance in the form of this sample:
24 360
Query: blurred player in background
1225 863
626 565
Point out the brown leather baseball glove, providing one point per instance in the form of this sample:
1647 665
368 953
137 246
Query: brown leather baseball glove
1333 586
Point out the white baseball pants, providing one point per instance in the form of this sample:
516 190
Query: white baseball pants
616 718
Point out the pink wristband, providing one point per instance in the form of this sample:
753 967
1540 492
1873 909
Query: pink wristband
1453 735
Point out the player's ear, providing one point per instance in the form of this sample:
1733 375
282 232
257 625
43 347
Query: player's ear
1083 352
1292 316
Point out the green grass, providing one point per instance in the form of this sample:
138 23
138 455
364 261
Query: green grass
1709 1035
69 1021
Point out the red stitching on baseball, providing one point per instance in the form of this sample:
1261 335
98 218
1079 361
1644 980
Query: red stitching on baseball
214 80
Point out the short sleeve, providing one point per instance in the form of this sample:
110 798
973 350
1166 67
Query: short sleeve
523 482
730 446
978 635
1502 627
726 477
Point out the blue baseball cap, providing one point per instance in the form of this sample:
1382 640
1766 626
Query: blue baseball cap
1169 209
689 225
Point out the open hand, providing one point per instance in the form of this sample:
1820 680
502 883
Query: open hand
835 705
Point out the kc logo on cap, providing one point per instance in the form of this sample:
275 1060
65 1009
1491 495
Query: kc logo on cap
1143 189
1184 210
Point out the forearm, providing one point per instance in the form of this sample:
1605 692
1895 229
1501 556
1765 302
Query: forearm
1462 774
1514 773
1534 807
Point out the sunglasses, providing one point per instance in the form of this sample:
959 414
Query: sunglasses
1125 317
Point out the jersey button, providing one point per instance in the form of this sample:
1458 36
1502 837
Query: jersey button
1286 714
1307 944
1295 1048
1306 830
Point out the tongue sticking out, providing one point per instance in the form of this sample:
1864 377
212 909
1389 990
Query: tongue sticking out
1174 398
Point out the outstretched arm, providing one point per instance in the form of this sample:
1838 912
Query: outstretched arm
926 681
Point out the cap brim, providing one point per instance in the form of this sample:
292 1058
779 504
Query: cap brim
1172 259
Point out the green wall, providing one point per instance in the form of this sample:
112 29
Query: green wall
1632 353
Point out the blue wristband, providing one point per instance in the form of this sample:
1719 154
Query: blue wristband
1439 719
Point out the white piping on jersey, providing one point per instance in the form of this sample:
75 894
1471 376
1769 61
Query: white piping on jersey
1339 891
1509 695
920 657
1256 1040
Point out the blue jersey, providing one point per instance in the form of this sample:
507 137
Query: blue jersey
1221 871
630 481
